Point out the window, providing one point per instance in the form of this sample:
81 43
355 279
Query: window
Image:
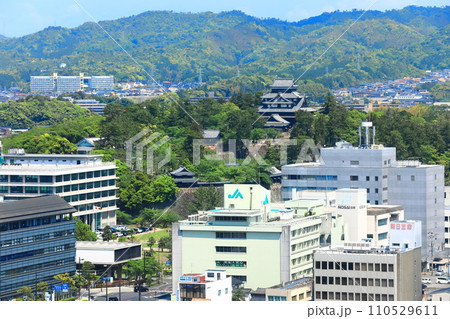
324 265
353 178
382 236
16 179
219 292
235 235
413 178
376 190
226 249
230 263
399 178
46 179
67 177
354 162
367 178
376 178
31 178
382 222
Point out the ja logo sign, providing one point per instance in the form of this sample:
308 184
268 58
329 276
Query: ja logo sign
236 194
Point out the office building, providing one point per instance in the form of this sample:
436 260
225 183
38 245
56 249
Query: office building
70 84
84 181
214 285
447 218
234 237
362 272
417 187
37 241
298 290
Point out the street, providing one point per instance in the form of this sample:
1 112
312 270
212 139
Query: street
127 293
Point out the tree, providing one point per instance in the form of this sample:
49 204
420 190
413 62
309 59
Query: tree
238 295
107 234
50 144
27 293
151 241
205 198
65 279
165 243
164 219
41 289
88 273
83 232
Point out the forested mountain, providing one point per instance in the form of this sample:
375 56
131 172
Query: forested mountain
174 46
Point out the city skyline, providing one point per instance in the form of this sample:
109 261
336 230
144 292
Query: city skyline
20 18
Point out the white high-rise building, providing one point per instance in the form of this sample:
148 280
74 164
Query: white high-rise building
417 187
84 181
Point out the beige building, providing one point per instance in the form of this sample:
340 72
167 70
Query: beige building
298 290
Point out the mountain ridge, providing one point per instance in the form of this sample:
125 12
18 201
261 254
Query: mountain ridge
176 45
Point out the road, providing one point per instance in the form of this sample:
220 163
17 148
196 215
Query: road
127 293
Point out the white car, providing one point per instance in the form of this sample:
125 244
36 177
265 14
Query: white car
426 280
442 280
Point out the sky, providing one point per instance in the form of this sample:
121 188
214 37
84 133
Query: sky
21 17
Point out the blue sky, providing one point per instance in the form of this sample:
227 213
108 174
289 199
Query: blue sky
20 17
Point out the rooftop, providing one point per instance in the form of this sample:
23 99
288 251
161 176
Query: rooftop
103 245
34 207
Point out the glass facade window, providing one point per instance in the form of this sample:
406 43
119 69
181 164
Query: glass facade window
82 175
46 190
74 176
31 179
67 177
58 179
97 173
89 174
46 179
3 178
382 222
17 189
16 179
31 189
3 189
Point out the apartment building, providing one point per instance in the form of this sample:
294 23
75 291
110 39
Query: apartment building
68 84
84 181
37 241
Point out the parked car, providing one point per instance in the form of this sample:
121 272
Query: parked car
426 280
145 229
439 273
137 230
113 299
142 288
442 280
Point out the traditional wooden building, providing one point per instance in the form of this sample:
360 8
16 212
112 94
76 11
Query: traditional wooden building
278 106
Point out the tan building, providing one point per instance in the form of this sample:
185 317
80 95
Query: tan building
299 290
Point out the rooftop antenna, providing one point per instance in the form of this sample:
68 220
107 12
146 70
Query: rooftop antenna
367 125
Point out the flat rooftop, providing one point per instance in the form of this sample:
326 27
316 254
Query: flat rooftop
33 208
103 245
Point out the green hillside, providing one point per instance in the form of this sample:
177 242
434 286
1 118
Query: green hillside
389 44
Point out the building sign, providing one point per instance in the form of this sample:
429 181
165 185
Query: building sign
57 287
65 287
185 278
401 226
236 194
